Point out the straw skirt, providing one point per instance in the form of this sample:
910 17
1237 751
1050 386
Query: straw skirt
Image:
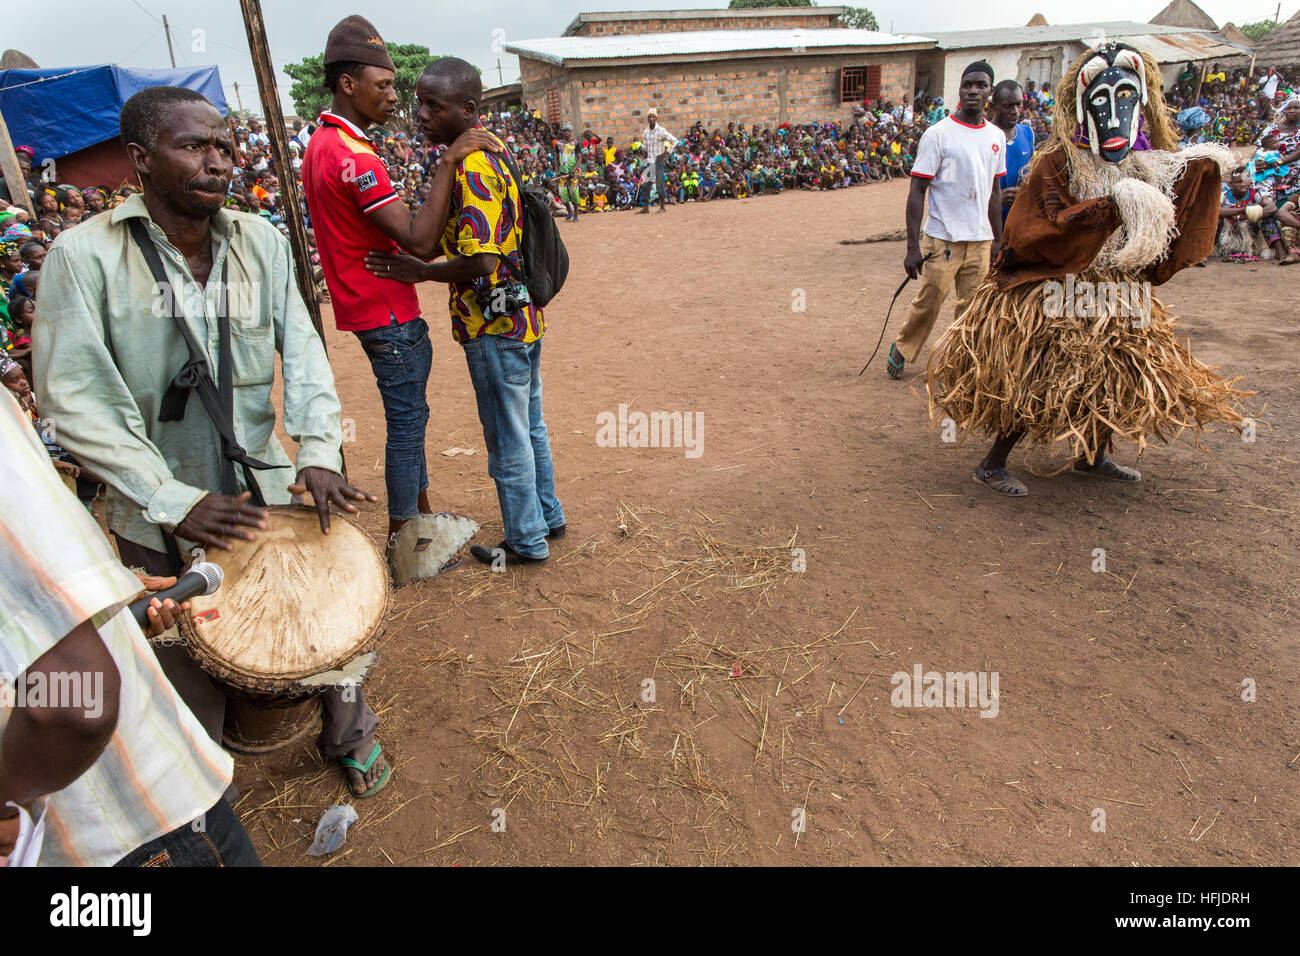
1075 360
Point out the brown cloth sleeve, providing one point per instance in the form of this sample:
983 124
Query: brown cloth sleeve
1197 197
1050 234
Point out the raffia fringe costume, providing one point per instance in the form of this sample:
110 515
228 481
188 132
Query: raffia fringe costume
1024 357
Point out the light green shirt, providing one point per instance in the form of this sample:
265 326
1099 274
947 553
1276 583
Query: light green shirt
109 348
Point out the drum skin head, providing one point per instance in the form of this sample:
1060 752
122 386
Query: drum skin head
295 603
440 536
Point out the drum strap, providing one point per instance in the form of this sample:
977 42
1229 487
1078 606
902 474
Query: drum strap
196 375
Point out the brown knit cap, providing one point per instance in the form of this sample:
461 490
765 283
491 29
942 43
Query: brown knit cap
355 40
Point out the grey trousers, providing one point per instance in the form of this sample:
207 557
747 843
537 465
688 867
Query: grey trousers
345 725
661 182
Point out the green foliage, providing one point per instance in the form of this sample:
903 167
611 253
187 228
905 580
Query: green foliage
859 18
410 60
1258 30
310 96
308 90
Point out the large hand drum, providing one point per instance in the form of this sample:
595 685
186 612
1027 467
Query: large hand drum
298 611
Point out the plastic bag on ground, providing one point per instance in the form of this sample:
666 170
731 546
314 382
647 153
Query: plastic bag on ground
332 829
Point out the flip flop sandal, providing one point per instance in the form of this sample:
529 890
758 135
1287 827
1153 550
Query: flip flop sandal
1110 470
1001 481
894 366
379 784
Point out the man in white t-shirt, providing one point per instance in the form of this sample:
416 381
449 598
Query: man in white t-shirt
1268 82
960 163
301 135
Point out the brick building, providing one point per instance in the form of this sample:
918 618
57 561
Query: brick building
628 22
768 75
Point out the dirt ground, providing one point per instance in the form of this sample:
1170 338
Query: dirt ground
1120 696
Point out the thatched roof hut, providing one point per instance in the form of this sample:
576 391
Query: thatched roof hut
17 60
1281 48
1184 13
1232 33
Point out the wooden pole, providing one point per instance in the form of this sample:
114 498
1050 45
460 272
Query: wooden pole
255 27
168 30
13 173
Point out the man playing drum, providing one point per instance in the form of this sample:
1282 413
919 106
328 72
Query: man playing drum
115 372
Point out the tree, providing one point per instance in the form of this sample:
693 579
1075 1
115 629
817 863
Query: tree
859 18
310 96
410 60
751 4
308 90
1258 30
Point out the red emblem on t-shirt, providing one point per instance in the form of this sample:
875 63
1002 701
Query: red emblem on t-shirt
996 147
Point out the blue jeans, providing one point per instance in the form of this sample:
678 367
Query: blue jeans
401 357
507 379
216 839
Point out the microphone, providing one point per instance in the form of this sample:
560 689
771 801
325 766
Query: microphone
203 577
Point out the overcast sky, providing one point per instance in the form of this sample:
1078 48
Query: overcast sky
59 33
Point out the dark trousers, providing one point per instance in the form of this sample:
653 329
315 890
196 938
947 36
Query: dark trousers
401 357
215 839
345 725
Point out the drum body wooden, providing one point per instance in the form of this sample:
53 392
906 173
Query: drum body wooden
298 611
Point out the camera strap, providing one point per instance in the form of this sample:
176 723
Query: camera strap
196 374
522 275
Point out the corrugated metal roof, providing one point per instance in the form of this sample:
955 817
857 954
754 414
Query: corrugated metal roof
1053 33
561 50
1180 47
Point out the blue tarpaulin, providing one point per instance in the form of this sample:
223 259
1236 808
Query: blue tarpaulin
60 111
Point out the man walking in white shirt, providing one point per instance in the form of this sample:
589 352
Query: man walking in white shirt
657 142
960 163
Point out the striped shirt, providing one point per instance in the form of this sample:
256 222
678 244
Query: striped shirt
653 140
160 770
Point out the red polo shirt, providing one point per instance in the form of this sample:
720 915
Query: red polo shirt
345 181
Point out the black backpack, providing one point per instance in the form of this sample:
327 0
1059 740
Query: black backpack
545 260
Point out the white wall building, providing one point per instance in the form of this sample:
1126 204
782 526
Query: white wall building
1042 53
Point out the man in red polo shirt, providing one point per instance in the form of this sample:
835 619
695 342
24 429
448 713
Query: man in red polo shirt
354 210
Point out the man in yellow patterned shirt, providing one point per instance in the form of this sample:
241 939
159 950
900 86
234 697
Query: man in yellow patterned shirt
492 317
